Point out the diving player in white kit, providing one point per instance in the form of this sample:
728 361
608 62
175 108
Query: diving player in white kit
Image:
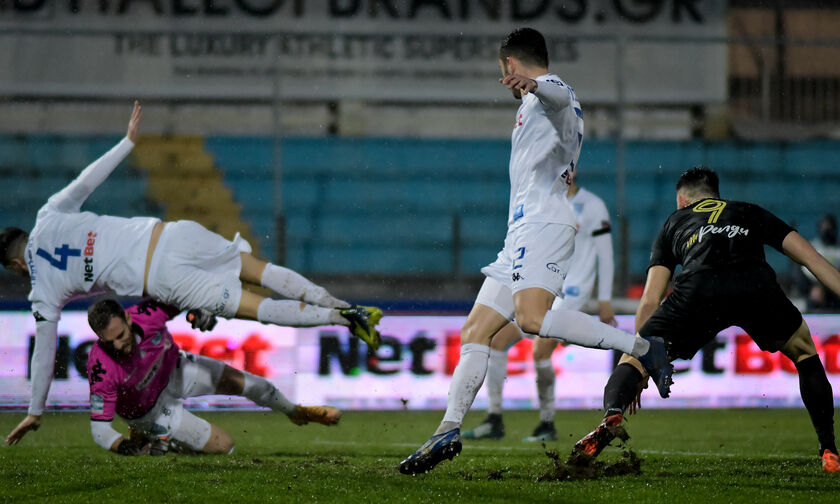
593 257
71 254
529 271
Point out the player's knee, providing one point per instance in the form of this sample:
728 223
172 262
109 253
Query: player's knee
470 333
530 323
497 344
220 442
800 346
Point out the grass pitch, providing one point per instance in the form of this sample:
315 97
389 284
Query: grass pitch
687 456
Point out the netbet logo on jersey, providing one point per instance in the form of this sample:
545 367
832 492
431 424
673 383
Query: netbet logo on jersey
91 240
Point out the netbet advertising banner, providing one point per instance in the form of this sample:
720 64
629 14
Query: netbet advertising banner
414 366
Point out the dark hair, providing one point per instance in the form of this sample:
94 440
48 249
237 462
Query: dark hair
101 313
698 181
12 241
526 44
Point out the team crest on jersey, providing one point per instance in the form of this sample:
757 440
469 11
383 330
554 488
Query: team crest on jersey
96 372
97 404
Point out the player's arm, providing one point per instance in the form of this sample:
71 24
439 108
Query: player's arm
43 360
108 438
656 286
552 94
798 249
604 251
70 198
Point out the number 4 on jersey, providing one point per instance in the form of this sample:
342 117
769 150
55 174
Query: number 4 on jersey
63 253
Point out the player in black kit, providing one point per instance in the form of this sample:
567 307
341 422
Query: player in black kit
724 281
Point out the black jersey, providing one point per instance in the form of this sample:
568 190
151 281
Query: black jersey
717 234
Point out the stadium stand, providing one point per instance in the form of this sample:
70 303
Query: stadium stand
397 206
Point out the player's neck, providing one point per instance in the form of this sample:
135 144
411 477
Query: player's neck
532 72
692 201
573 189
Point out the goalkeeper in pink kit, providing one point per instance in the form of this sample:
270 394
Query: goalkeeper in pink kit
136 370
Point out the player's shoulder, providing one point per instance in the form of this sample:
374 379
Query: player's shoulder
590 196
593 204
101 368
552 79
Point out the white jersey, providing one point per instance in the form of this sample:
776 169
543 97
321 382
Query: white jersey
545 145
72 253
593 246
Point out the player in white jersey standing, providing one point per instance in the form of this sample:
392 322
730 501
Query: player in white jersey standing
72 254
593 257
529 271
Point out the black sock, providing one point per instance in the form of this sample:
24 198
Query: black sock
819 400
621 389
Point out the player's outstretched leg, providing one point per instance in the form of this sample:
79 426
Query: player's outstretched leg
658 365
489 428
440 447
363 320
619 393
594 443
830 462
263 392
287 283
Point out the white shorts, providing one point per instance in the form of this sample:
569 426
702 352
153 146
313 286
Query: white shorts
194 376
535 254
196 268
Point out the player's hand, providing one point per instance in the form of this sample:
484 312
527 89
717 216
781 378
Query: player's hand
636 404
134 122
31 422
606 313
518 82
201 319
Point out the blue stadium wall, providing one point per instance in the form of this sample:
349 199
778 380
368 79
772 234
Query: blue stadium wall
410 206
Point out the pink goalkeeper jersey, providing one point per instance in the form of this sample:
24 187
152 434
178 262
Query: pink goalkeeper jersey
130 385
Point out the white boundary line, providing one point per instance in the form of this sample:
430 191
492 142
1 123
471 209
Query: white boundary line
537 448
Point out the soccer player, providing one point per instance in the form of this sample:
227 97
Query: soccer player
136 370
593 256
529 270
724 281
71 253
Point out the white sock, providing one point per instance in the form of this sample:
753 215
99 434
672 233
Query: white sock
496 374
545 389
466 380
581 329
292 285
264 393
297 314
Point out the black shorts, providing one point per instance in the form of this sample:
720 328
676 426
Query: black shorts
710 301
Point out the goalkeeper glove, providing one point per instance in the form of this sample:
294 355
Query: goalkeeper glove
201 319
